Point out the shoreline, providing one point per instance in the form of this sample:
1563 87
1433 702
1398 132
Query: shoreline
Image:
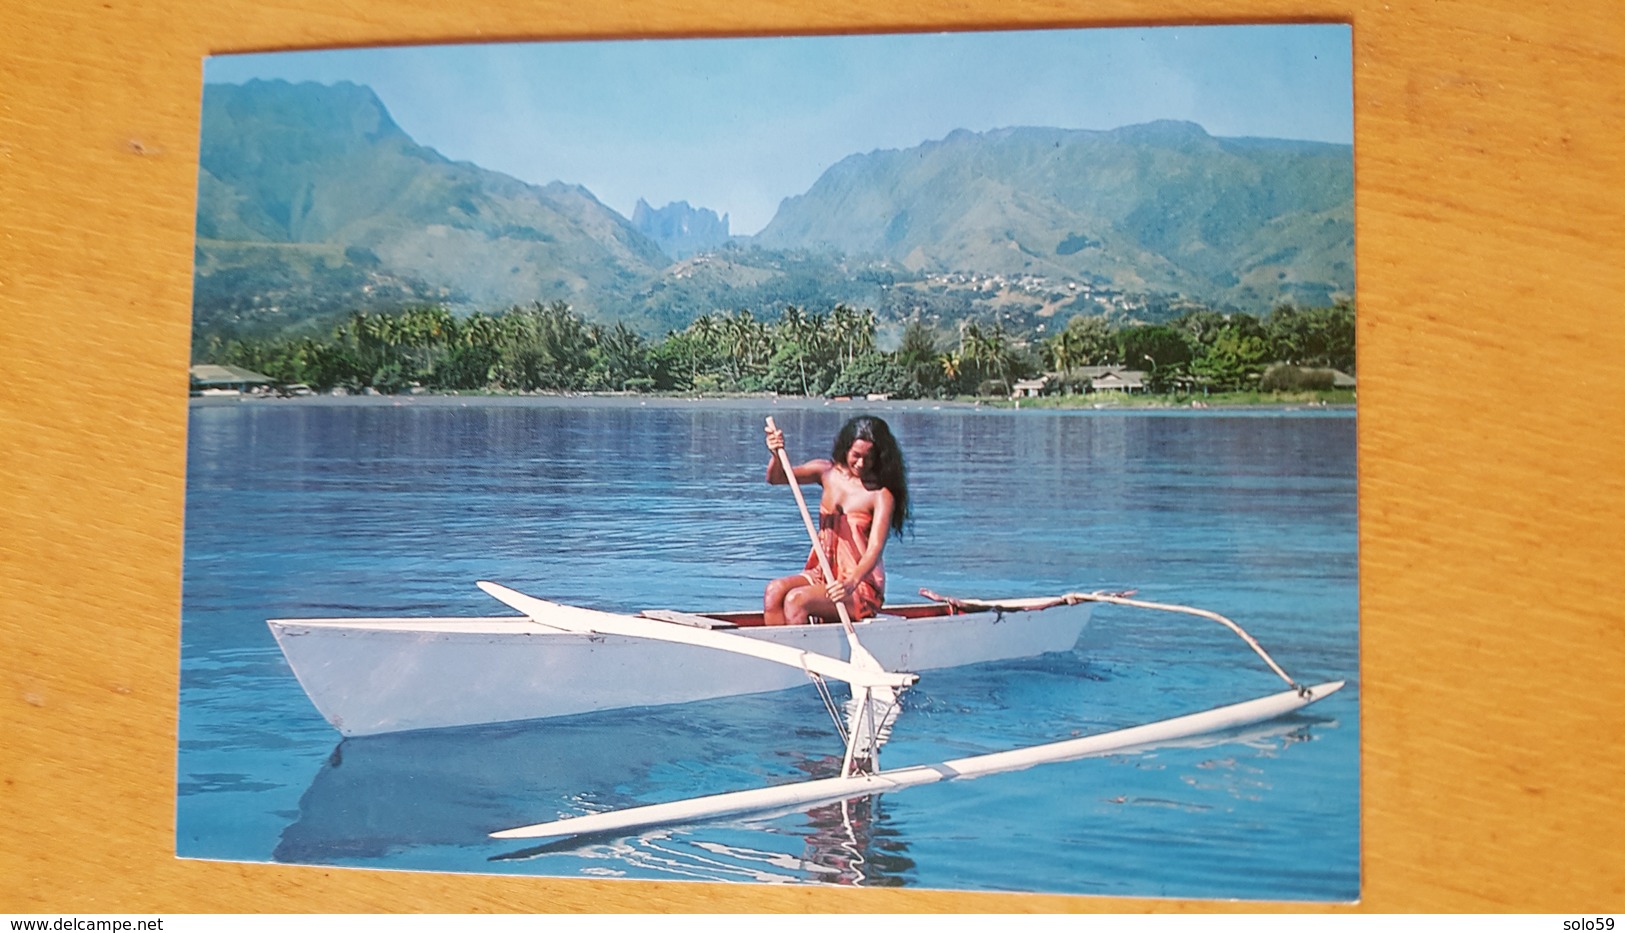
747 402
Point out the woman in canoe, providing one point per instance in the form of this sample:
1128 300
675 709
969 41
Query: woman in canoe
865 499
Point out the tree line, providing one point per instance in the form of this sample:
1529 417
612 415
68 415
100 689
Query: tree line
548 347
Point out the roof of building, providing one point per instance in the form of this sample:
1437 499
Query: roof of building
1119 378
207 374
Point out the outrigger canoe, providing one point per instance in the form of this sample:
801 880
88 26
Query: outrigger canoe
370 676
375 675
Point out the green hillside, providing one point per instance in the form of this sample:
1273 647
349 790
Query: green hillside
293 172
1162 207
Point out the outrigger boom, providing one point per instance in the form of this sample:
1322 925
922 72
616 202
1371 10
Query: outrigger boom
875 687
593 621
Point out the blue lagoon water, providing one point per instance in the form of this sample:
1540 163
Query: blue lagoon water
325 510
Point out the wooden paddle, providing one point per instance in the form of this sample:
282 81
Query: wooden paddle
861 658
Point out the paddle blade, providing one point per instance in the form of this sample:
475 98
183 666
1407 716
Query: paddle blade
870 715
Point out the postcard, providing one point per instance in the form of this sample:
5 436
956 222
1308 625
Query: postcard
916 460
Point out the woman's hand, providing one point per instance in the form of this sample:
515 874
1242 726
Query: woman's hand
837 590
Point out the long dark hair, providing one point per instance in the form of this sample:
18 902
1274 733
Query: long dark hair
886 468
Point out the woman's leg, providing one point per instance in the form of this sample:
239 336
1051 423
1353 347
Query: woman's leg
773 598
804 602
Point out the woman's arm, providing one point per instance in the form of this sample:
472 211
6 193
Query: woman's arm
811 472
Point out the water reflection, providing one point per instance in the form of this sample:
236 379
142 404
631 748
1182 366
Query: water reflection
377 794
851 839
846 843
376 797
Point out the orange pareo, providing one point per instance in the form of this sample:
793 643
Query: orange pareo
844 537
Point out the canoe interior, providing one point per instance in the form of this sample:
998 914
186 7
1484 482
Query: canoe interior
747 619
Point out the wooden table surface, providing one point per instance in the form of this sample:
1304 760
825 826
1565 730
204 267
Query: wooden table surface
1489 206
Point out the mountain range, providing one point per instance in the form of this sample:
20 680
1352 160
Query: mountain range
1161 207
312 202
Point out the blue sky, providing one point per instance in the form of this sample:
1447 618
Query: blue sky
736 125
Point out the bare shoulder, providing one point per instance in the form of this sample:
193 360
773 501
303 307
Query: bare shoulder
814 470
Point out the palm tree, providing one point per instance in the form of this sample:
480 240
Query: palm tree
950 368
797 330
792 323
996 349
423 331
481 330
821 339
1063 349
385 331
703 332
839 324
853 332
972 347
865 336
622 351
740 333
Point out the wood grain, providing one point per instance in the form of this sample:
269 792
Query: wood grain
1492 361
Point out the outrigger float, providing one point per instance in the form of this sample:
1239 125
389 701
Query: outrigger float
370 676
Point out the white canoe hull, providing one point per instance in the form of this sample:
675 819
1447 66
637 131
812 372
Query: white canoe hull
372 676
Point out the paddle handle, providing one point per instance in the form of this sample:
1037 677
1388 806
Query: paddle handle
812 532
